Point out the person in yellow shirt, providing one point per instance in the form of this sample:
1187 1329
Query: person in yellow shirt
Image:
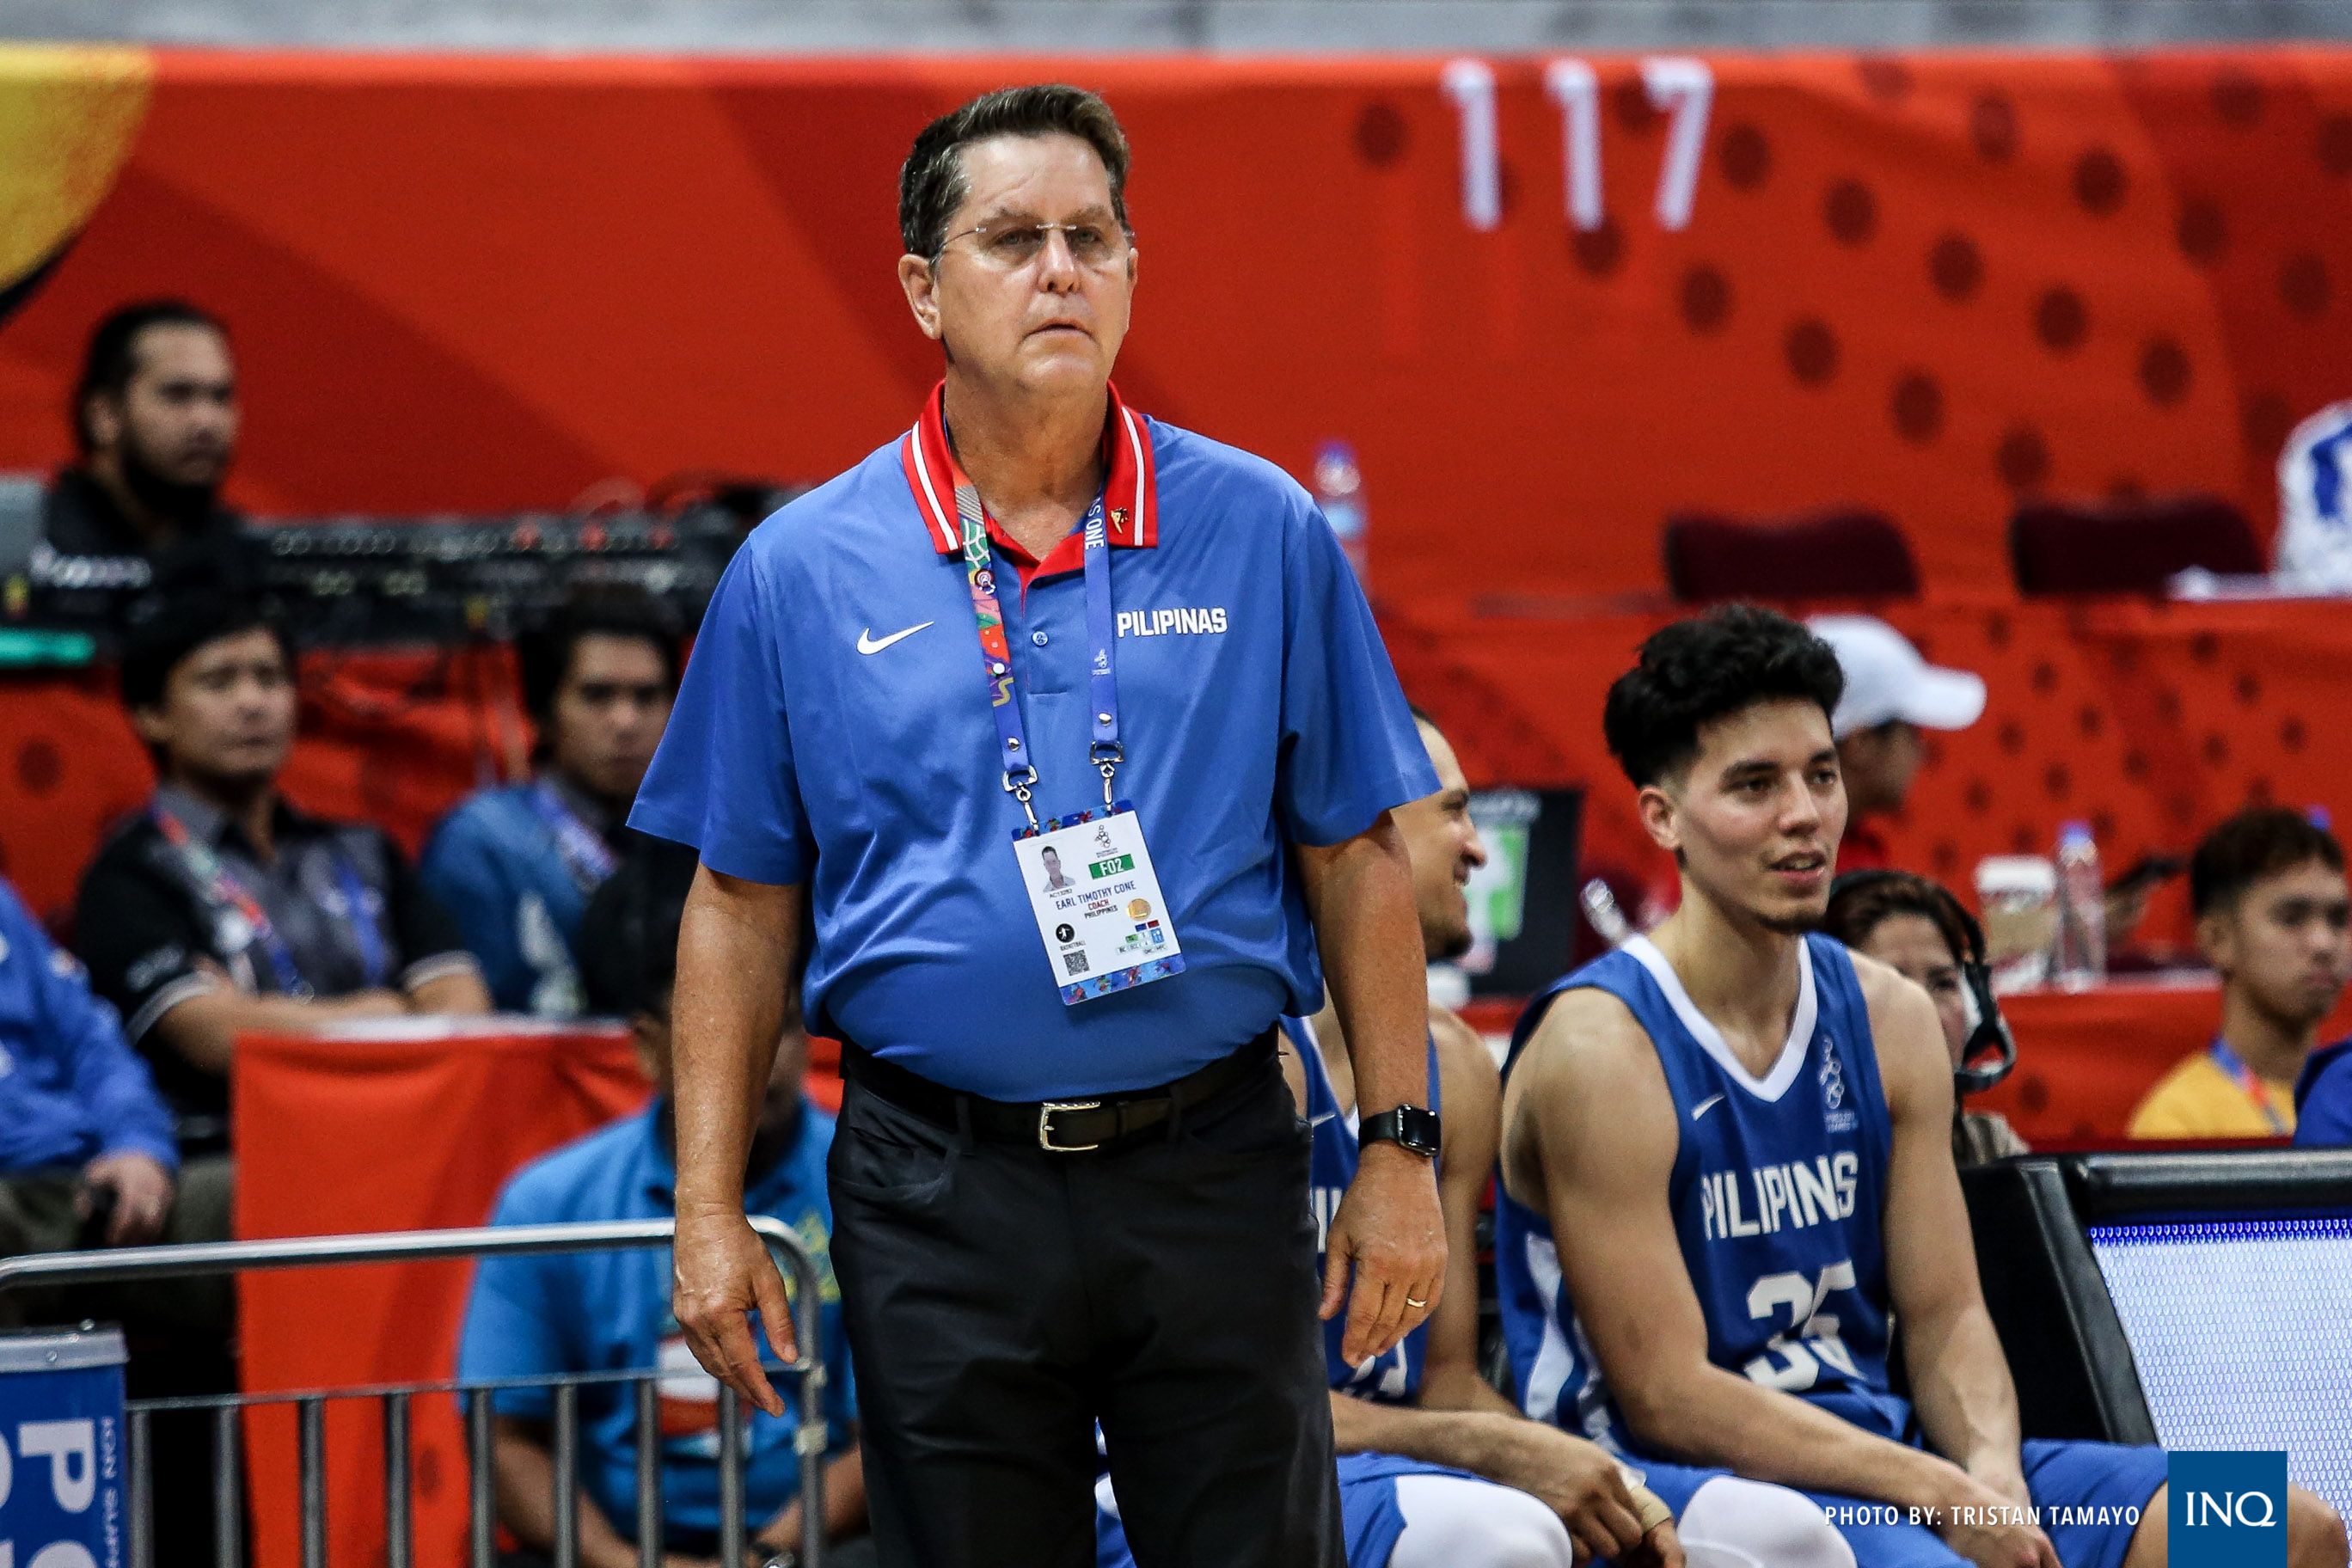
2269 892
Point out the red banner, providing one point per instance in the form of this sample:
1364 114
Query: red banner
347 1135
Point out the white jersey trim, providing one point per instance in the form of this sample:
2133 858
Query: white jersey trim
1772 1085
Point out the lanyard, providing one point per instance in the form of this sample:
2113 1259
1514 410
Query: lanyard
2255 1088
585 854
219 887
996 658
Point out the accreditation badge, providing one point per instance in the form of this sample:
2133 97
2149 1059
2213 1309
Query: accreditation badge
1097 903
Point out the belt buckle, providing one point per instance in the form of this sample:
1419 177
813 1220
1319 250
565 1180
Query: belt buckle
1045 1125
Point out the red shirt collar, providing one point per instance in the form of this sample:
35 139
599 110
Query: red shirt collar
1130 493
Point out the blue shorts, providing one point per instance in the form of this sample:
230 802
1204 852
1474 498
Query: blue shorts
2069 1482
2090 1495
1367 1509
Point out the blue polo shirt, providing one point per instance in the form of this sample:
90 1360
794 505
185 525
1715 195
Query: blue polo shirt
594 1311
1258 707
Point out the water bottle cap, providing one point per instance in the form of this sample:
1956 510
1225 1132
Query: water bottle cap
2074 832
1336 473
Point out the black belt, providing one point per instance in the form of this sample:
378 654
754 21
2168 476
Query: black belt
1062 1126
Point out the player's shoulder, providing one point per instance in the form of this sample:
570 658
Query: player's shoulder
1585 1029
1890 997
1455 1039
1465 1063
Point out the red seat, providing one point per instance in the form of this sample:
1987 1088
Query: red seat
2126 547
1850 555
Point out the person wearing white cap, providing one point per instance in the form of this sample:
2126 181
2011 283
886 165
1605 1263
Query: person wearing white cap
1891 694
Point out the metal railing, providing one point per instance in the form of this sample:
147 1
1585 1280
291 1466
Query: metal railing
311 1419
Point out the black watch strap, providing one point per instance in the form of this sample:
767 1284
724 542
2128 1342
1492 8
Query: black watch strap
1409 1127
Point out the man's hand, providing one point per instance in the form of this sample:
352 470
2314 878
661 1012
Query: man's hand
142 1192
1389 1225
1661 1548
1998 1537
1578 1481
721 1272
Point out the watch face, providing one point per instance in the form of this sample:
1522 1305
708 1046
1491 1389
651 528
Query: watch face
1419 1130
1410 1127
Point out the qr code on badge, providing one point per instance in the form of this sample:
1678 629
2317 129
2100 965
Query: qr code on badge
1074 963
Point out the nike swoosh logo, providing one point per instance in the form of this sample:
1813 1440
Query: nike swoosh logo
1319 1120
1709 1103
868 643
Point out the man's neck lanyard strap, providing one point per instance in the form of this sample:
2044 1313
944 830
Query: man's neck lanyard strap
585 852
219 887
2250 1082
997 656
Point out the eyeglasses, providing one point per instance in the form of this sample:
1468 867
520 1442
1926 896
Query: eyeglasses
1012 244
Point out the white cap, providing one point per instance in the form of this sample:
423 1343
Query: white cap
1886 679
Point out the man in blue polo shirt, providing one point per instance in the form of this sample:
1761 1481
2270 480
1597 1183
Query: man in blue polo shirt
606 1310
1070 1183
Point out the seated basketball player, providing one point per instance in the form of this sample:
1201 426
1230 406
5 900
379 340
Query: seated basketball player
1436 1470
1727 1169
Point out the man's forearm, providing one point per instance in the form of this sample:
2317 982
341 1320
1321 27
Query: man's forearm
1961 1388
1360 893
459 993
1467 1439
204 1028
736 943
1718 1419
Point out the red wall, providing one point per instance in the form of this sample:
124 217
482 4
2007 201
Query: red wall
1926 283
1917 282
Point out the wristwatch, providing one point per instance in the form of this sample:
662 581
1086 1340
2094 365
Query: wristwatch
1409 1127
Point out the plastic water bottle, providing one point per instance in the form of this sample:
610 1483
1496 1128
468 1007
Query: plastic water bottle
1340 491
2081 956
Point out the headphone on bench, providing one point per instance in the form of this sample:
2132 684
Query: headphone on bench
1992 1050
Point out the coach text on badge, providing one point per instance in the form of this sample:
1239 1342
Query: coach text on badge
1098 902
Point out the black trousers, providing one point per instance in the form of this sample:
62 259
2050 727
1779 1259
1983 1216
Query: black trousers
1002 1299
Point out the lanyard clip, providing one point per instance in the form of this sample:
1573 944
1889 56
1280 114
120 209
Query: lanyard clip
1107 756
1016 784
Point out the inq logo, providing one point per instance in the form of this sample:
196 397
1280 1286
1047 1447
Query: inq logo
2229 1511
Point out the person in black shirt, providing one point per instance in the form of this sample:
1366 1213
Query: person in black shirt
222 907
155 416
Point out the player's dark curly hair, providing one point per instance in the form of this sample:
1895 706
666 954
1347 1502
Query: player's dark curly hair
931 183
1703 669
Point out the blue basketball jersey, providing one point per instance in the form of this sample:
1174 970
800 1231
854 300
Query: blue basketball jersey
1393 1378
1777 1193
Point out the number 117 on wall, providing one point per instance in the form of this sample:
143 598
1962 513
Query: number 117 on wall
1677 85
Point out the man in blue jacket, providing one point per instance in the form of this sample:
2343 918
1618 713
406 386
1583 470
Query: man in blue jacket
88 1152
